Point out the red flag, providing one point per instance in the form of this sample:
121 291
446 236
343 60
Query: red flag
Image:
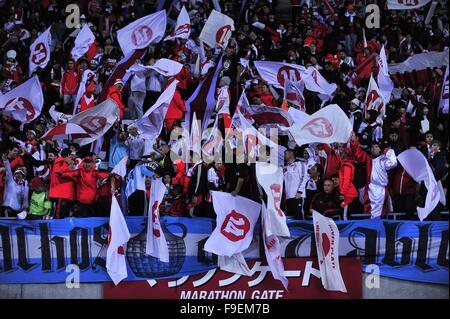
362 71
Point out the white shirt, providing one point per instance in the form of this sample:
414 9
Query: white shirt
154 82
295 179
138 84
135 146
380 166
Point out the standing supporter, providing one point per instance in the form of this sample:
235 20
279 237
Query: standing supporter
295 179
15 198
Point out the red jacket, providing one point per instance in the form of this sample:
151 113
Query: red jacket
115 94
333 161
70 81
184 77
86 182
87 100
61 187
401 182
346 186
176 108
180 177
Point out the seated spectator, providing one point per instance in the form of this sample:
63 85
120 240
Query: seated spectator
326 202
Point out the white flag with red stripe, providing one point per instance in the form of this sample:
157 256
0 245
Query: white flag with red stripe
293 93
328 125
327 244
268 116
183 26
163 66
83 42
406 4
385 84
40 51
217 30
142 32
116 264
156 241
374 99
24 102
443 102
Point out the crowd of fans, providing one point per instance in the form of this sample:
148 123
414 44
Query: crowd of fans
50 179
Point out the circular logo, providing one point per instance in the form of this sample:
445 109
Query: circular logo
235 226
288 73
319 127
141 36
93 124
39 54
21 103
223 34
184 28
326 245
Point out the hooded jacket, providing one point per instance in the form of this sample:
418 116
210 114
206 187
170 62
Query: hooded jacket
61 187
346 186
180 177
115 94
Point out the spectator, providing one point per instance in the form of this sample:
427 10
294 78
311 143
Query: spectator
295 179
326 202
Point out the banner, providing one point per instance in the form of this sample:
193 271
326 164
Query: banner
303 275
142 32
183 26
217 30
24 102
420 61
40 51
40 251
406 4
328 125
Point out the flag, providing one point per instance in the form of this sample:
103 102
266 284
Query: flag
213 140
195 139
406 4
420 61
327 244
362 71
293 93
203 101
270 177
217 30
298 117
119 235
40 51
156 241
135 181
24 102
385 84
87 74
275 36
374 99
276 73
163 66
121 167
416 165
142 32
235 264
268 116
152 122
84 40
328 125
236 220
183 26
272 249
315 82
95 122
430 12
443 102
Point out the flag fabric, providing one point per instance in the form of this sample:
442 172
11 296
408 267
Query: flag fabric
135 181
183 26
66 131
116 264
87 74
163 66
95 122
362 71
203 101
235 264
420 61
406 4
40 51
268 116
152 122
416 165
121 167
84 40
142 32
217 30
298 116
327 244
24 102
315 82
385 84
443 102
374 98
271 178
275 36
276 73
293 93
430 12
272 249
195 137
156 241
328 125
236 220
213 140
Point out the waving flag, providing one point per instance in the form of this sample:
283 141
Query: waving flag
195 137
276 73
116 264
315 82
270 177
385 83
164 67
417 166
406 4
236 220
374 99
121 167
40 51
443 102
293 93
24 102
84 40
156 241
183 26
272 249
152 122
142 32
327 244
217 30
268 116
275 36
328 125
95 122
362 71
135 181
